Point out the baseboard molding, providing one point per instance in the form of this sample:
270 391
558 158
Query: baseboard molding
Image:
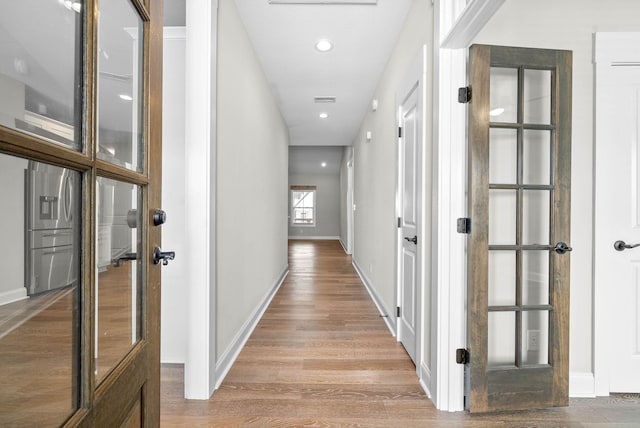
315 238
582 385
13 295
425 379
229 356
388 316
344 247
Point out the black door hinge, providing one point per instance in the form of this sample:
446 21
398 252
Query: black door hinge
464 95
400 132
399 222
462 356
464 225
398 311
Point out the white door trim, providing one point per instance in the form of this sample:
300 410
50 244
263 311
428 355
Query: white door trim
350 200
609 47
449 191
200 160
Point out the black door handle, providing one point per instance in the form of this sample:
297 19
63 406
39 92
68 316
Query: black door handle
414 239
127 256
162 256
562 247
621 246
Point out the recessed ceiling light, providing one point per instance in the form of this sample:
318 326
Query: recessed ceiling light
324 164
324 45
125 97
323 115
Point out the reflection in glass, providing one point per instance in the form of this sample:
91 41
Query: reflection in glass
537 96
502 217
501 350
120 68
503 156
39 301
40 57
535 217
536 157
535 337
535 277
503 103
119 272
502 278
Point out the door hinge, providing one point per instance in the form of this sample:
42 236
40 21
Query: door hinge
399 222
464 95
398 311
464 225
400 132
462 356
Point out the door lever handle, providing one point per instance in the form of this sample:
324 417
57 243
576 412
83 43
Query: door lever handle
127 256
562 247
414 239
162 256
621 246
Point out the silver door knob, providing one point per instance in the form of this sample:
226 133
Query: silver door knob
621 245
562 247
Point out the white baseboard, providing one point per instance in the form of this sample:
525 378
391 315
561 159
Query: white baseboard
425 379
582 385
229 356
315 238
13 295
344 247
388 316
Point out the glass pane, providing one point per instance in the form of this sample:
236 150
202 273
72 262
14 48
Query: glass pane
535 217
302 203
503 103
502 339
40 57
503 156
39 306
535 277
537 96
120 85
535 337
119 270
502 278
536 157
502 217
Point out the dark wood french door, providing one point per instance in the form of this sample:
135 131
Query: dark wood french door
519 139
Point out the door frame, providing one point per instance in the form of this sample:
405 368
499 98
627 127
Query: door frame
609 47
416 74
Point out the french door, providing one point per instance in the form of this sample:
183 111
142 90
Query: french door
80 161
519 174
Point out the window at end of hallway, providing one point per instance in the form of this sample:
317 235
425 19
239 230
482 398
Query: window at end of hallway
303 205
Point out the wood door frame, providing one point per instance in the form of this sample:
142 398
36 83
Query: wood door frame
416 74
604 53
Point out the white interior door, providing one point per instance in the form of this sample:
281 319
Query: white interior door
618 210
409 203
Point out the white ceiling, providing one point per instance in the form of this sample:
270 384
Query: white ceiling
308 160
284 37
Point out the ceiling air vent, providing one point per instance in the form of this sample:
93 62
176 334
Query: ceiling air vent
324 99
374 2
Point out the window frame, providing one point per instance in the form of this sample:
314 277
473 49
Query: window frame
292 219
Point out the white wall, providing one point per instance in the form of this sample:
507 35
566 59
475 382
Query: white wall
344 188
174 231
327 205
252 177
570 25
375 162
12 286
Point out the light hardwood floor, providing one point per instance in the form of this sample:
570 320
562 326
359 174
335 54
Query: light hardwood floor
322 357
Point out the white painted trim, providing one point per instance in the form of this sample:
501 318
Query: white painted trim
388 316
472 19
230 354
425 380
344 247
174 33
582 385
13 295
314 238
200 196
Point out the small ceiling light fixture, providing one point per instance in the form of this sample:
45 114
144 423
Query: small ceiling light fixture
324 45
126 97
324 164
324 115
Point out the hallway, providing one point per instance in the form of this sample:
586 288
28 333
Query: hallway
322 356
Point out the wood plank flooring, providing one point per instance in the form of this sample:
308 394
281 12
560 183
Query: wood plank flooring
322 357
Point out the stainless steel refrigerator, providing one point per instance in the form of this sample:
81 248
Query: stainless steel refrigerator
52 227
